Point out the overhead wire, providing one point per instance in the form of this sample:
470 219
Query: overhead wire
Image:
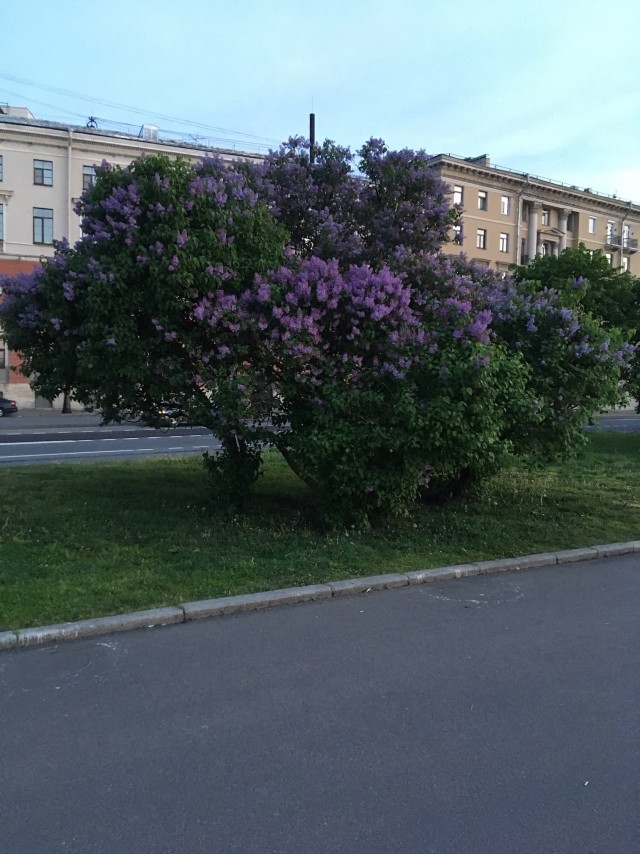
136 110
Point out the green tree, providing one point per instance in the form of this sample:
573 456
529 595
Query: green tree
587 280
146 307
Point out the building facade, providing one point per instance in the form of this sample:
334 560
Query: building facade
44 168
510 217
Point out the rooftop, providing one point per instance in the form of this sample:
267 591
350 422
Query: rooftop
22 116
483 161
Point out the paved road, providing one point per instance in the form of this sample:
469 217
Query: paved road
52 437
42 437
628 422
493 715
69 445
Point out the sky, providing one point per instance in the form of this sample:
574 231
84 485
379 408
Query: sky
549 87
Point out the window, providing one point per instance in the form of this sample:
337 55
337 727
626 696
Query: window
504 242
458 195
1 168
43 172
482 200
592 225
570 222
1 222
481 238
88 177
505 205
545 216
457 234
609 257
43 225
625 265
626 235
610 226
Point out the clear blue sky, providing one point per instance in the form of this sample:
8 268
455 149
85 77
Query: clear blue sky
550 87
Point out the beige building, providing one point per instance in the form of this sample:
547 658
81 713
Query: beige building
44 167
510 217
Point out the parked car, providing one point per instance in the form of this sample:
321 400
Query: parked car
7 406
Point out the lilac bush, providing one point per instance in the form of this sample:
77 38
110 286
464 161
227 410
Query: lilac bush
309 305
145 308
478 369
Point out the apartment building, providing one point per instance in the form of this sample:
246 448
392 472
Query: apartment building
510 217
44 167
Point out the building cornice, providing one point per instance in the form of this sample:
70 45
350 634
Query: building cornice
537 189
85 138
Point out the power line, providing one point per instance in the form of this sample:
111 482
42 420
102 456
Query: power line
130 129
139 111
44 104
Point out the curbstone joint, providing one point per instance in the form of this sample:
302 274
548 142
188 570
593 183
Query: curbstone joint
373 582
442 573
611 549
514 563
254 601
100 626
257 601
573 555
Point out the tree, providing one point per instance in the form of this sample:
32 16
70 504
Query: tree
146 307
308 305
487 366
356 209
586 280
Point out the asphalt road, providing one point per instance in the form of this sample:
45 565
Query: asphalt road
46 436
491 715
628 422
80 438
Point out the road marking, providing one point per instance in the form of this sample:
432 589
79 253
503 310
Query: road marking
99 453
74 454
109 439
86 441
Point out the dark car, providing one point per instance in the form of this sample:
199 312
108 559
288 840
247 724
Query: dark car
7 406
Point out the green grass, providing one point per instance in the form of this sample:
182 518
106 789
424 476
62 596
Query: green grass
86 540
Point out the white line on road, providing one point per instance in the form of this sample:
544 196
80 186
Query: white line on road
74 454
86 441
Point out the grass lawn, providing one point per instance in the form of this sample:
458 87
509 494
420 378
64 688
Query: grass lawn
87 540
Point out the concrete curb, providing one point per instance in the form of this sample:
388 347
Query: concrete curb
22 638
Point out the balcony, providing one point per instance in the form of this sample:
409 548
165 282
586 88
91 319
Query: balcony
614 241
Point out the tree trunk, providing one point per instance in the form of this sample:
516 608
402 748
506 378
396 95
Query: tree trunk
295 468
66 403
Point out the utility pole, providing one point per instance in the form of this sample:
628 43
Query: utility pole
312 136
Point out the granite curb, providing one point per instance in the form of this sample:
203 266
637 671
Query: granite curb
188 611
